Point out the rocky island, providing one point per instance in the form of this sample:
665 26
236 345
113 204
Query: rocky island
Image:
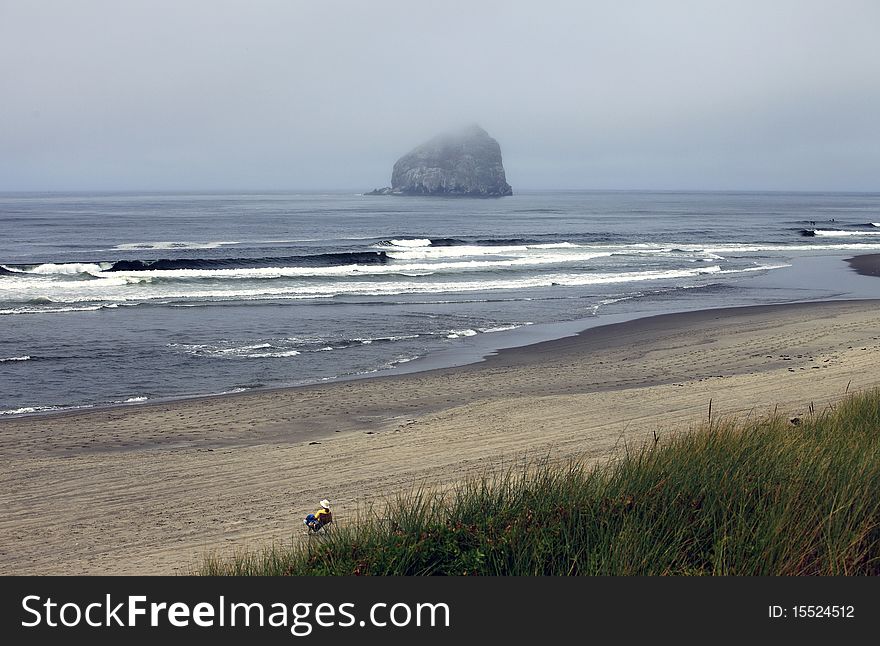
466 163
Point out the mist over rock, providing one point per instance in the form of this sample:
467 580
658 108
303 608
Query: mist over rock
465 163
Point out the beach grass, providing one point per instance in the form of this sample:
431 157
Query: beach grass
762 497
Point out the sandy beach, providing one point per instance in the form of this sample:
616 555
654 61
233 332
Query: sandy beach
149 489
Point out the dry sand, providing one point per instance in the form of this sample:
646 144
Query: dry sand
149 489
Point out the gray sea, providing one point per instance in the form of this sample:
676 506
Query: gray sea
117 298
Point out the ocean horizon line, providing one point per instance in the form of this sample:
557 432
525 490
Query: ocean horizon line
362 191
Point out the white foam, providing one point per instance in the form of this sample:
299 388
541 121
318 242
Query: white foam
834 233
611 301
454 251
250 351
136 246
133 400
49 310
409 269
91 291
24 358
78 287
24 410
746 270
400 360
102 285
500 328
273 355
554 245
65 269
99 277
27 409
455 334
420 242
245 348
733 249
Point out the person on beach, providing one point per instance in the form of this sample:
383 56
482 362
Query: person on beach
320 518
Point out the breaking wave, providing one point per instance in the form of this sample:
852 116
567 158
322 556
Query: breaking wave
173 264
398 266
317 260
837 233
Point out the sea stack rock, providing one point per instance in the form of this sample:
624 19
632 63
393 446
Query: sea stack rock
466 163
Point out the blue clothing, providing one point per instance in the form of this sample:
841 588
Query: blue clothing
313 522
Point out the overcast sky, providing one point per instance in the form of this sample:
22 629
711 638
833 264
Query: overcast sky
325 94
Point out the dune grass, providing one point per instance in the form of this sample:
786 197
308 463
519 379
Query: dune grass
765 497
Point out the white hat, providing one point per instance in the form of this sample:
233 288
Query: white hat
325 503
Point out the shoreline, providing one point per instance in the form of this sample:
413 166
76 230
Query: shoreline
149 489
473 351
462 360
602 336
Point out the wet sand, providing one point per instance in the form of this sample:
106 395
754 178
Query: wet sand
149 489
866 265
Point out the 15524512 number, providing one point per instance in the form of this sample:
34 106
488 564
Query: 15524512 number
810 612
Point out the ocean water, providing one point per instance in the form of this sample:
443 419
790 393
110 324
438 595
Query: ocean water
123 298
